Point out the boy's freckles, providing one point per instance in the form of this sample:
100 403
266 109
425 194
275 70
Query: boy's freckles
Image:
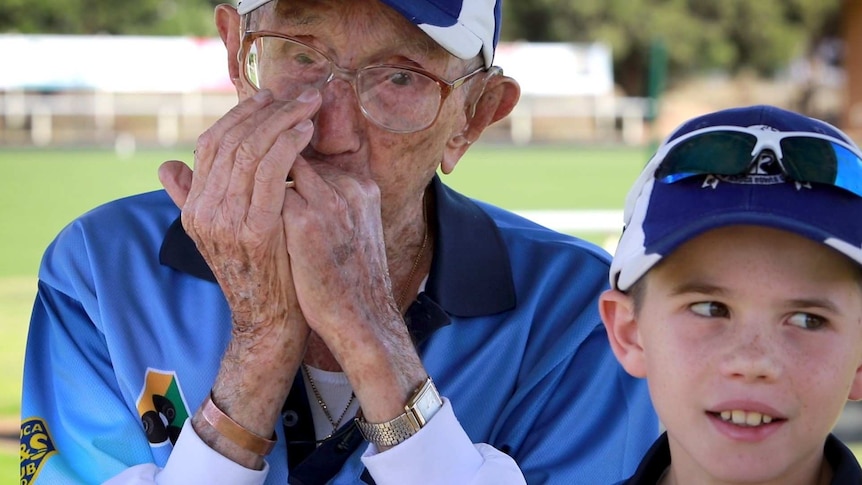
752 341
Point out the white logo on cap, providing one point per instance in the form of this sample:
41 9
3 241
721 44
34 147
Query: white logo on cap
765 169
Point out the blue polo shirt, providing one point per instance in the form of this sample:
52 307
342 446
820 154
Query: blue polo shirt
129 327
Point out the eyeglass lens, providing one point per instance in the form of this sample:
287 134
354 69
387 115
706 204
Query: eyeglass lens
396 98
805 159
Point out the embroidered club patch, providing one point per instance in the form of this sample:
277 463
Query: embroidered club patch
162 407
36 447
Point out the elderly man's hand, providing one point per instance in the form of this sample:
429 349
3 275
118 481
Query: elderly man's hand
232 204
232 208
335 239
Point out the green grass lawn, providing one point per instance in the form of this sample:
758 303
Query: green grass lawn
9 465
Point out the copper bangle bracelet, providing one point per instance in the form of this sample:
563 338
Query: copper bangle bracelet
233 431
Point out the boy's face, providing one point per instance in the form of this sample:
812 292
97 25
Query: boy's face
751 340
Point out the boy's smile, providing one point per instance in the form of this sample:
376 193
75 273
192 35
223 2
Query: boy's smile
751 339
744 418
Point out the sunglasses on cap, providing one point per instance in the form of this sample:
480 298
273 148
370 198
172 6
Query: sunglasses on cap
730 150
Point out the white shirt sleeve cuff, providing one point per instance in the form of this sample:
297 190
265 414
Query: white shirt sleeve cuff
441 453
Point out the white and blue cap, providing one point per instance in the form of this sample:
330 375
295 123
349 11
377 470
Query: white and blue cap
797 174
463 27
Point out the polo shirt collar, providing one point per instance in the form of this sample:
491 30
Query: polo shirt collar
471 274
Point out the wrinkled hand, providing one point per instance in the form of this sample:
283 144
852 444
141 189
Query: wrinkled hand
334 236
232 204
232 208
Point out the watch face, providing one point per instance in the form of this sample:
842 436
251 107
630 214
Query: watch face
427 403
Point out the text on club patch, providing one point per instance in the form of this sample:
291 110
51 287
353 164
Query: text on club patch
36 447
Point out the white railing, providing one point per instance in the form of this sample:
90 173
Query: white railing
604 118
167 118
40 119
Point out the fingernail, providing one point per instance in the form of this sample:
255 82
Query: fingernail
308 95
303 126
262 95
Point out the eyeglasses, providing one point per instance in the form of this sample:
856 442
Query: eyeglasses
730 150
397 98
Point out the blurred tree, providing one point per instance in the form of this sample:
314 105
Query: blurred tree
143 17
700 35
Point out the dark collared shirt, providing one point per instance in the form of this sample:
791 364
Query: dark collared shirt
845 468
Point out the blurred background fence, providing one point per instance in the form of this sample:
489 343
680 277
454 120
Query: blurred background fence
103 90
100 118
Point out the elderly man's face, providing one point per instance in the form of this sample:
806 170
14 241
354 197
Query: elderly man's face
356 34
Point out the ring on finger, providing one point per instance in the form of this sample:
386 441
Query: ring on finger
289 183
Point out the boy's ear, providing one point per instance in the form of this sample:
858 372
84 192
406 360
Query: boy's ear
856 386
618 314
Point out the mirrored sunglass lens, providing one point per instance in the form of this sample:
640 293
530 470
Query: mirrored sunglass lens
716 152
810 159
285 67
821 161
398 99
849 173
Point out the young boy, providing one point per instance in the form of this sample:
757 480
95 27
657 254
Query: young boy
737 291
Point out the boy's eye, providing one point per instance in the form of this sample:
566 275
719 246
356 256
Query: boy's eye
806 321
710 309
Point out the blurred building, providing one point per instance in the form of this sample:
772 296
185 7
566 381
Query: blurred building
128 91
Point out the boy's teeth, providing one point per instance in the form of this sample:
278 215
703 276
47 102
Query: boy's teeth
750 418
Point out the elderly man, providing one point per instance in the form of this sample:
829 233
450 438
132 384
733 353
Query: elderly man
278 314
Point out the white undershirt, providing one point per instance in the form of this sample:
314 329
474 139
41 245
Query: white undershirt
335 391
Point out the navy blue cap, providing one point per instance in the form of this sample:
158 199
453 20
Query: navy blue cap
661 216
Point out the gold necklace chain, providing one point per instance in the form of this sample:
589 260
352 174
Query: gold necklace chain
403 295
320 401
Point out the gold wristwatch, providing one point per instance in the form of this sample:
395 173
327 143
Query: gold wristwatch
423 405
